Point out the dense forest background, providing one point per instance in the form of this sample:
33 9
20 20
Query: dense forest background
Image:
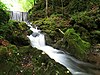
69 25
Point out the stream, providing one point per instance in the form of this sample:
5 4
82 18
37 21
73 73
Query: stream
37 40
75 66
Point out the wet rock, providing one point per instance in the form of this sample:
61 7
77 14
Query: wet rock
48 40
61 45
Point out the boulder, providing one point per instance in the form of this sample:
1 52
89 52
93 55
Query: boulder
76 45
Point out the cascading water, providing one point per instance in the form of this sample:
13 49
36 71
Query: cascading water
18 16
37 40
75 66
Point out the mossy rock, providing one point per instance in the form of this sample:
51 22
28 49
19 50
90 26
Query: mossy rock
76 45
16 33
51 26
3 50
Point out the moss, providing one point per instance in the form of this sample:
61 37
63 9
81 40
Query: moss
3 50
27 60
86 23
22 26
77 46
85 20
15 30
51 26
95 36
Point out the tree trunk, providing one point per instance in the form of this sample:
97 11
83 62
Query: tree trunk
46 8
62 7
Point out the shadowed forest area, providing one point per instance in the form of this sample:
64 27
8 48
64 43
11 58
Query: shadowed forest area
69 25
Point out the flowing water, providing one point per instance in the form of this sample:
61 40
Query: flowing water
75 66
37 40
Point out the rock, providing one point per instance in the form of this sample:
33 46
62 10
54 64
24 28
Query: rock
94 55
76 45
94 58
97 46
48 40
16 33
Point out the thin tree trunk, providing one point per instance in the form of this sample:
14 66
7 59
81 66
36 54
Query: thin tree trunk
46 8
62 7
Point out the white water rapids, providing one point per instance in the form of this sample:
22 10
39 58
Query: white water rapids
75 66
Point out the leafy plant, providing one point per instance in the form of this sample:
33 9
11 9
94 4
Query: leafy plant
26 4
3 6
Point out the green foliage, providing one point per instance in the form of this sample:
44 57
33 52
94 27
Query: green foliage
69 7
4 17
26 4
52 25
15 30
3 6
85 20
33 16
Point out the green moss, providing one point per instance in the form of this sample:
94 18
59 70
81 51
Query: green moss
3 50
85 20
23 26
77 46
15 30
51 24
26 61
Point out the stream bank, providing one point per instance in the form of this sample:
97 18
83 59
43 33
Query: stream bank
79 27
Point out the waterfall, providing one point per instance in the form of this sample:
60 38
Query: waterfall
18 16
75 66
